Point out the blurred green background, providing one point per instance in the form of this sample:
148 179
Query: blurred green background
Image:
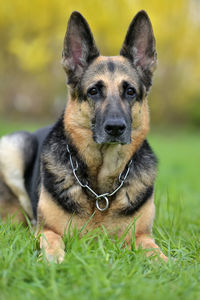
32 82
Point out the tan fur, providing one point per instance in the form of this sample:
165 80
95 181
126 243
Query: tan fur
50 214
78 125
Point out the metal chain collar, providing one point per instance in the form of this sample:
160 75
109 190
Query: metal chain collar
104 196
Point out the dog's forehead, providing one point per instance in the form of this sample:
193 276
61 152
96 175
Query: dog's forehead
110 69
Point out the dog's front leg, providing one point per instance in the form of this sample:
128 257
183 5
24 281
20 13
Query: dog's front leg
51 224
143 228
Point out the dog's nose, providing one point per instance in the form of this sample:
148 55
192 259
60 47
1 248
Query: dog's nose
115 127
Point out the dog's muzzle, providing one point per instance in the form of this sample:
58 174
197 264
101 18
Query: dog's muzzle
112 131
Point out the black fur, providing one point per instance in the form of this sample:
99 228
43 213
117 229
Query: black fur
32 172
111 67
135 204
144 160
60 195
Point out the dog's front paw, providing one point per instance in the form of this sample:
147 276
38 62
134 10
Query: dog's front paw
56 257
165 258
53 247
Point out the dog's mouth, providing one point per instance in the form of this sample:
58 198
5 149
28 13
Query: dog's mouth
115 143
102 139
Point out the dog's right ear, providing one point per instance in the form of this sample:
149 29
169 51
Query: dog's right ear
79 48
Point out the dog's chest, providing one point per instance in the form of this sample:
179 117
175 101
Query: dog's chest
110 218
118 203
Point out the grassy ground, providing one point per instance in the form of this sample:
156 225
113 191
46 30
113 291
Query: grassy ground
99 268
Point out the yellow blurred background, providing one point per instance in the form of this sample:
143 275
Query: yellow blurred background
32 82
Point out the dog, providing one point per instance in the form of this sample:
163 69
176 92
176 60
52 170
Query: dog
94 166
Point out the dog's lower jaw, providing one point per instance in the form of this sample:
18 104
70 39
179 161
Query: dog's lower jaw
103 140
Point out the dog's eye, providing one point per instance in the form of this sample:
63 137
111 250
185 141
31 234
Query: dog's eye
130 92
93 91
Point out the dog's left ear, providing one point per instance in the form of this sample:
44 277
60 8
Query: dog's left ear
79 47
140 47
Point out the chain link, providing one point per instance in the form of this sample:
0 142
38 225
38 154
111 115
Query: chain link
104 196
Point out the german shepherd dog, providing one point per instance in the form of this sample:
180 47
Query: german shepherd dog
94 163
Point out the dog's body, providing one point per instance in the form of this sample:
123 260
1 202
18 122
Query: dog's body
100 135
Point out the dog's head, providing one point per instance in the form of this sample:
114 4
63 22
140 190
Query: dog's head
108 94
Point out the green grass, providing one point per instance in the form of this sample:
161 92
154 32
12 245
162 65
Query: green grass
96 267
